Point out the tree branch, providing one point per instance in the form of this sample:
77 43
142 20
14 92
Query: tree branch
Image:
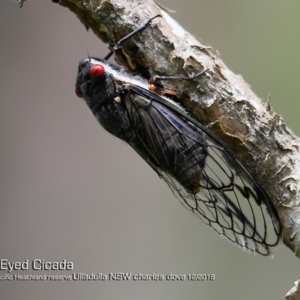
294 292
220 100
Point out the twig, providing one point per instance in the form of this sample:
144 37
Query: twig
294 292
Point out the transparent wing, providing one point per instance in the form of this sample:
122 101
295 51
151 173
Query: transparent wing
230 206
204 174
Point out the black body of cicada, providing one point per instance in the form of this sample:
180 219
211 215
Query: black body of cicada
198 167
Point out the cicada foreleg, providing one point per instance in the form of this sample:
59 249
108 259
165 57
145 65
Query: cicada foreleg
119 52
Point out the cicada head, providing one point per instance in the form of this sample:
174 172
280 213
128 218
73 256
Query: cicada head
93 83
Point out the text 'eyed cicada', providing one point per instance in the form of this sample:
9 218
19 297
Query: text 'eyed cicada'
197 166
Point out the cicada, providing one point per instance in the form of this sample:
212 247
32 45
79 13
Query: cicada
198 167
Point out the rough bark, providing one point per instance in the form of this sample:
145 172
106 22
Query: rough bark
294 292
220 100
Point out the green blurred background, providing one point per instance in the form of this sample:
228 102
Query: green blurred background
69 190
